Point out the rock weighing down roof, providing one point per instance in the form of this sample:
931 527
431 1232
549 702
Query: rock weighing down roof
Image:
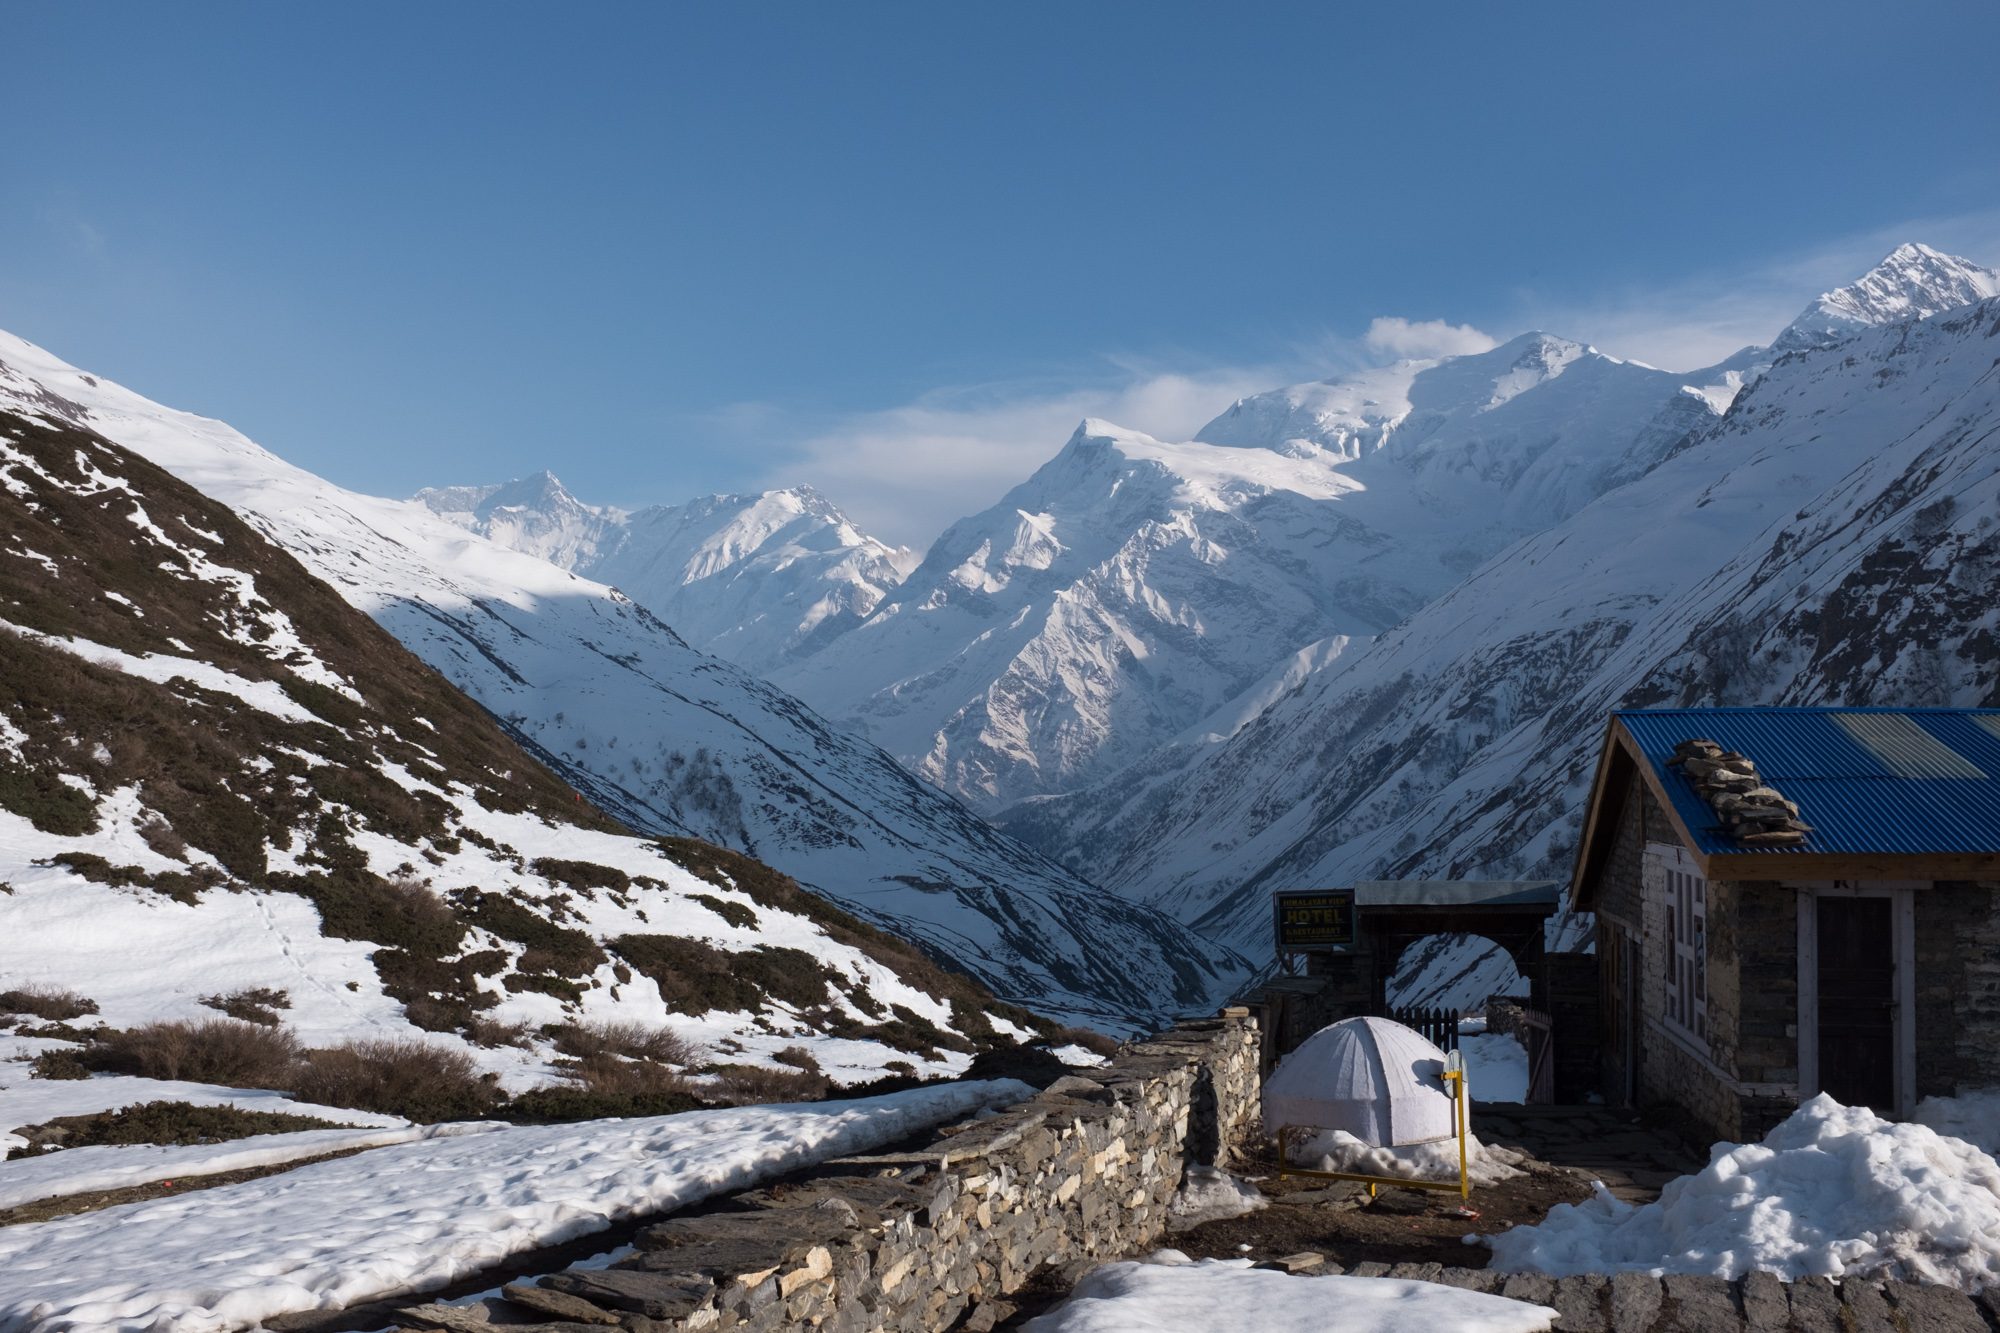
1369 1077
1821 791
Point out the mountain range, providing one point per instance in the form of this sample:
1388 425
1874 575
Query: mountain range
666 739
222 788
1366 627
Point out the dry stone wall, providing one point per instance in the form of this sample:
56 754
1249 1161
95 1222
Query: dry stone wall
934 1238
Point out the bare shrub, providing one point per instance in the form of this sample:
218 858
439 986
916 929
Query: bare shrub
396 1076
639 1041
161 838
258 1005
614 1076
50 1002
58 1065
798 1057
217 1050
754 1085
491 1032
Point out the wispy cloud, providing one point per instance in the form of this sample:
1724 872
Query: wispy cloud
904 473
1706 316
1419 339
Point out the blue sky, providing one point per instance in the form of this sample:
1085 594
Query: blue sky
898 250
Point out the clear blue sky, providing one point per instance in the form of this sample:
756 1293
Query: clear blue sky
671 248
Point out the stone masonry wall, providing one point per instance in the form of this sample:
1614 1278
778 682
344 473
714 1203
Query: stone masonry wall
1974 965
935 1238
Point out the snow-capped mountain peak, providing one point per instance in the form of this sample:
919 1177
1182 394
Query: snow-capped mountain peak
757 578
666 739
1912 282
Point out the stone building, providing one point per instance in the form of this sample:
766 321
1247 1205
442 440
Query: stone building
1792 901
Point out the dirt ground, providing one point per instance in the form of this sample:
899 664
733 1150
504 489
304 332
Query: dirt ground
1339 1220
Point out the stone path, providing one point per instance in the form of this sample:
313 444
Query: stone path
1634 1162
1759 1303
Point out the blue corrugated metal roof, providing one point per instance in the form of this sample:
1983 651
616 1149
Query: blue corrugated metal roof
1849 770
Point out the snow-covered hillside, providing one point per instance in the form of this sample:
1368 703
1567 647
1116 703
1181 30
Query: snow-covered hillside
217 778
757 579
1133 587
1834 538
665 738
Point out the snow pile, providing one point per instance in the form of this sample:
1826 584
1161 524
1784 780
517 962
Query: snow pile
1496 1064
1336 1150
1834 1191
1973 1116
420 1215
122 1166
1211 1195
1220 1293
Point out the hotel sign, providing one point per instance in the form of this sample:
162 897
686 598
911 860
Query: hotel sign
1319 920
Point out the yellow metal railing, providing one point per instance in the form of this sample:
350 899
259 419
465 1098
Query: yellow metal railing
1454 1074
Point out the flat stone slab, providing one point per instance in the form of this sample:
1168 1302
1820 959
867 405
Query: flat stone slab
1934 1309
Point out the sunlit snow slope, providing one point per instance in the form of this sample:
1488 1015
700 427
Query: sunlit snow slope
667 739
1133 587
217 777
1835 538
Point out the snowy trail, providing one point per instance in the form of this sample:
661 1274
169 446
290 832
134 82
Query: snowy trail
420 1215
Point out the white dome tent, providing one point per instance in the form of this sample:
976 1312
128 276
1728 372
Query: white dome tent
1375 1079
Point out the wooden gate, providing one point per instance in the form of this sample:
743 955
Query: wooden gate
1540 1040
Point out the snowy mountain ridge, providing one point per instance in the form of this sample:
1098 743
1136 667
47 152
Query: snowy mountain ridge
669 740
1832 538
755 579
216 779
1912 282
1133 586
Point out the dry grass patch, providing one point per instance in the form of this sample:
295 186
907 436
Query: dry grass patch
396 1076
171 1122
259 1005
50 1002
756 1085
217 1050
637 1041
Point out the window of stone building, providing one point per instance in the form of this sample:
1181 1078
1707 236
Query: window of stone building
1687 952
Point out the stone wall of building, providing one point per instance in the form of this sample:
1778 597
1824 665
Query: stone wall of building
933 1238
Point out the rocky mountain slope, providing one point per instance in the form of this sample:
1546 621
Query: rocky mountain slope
1133 586
759 579
667 739
1834 538
219 780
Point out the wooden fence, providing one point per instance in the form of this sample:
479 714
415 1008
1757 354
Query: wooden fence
1439 1026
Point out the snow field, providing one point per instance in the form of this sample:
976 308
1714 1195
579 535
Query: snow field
33 1101
120 1166
1833 1191
420 1215
1172 1295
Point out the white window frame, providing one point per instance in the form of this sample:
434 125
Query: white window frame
1903 919
1686 1009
